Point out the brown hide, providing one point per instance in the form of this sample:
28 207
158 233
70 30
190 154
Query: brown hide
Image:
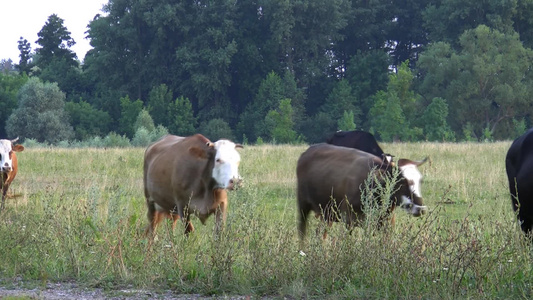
327 172
178 181
9 176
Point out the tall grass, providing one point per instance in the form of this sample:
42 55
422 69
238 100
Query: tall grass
79 214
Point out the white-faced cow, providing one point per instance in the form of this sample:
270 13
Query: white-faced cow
331 179
519 167
184 175
8 164
358 139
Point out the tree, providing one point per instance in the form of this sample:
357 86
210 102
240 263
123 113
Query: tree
434 119
129 112
387 116
87 121
447 20
181 117
216 129
367 72
346 123
9 88
340 100
279 123
159 100
268 97
144 120
55 41
24 47
55 60
40 114
487 82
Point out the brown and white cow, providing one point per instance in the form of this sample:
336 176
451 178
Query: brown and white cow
331 179
8 165
184 175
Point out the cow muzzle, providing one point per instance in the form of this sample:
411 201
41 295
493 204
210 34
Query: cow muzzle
6 169
235 183
414 209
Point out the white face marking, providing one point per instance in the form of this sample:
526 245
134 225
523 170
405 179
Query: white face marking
6 164
411 173
226 169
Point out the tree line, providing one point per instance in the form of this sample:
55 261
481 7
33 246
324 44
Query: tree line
278 71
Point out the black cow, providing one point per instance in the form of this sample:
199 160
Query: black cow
361 140
519 166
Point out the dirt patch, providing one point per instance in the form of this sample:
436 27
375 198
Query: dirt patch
60 291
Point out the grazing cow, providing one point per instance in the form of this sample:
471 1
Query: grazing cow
184 175
519 167
331 180
361 140
8 165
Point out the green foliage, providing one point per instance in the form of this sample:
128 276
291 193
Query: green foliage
24 47
434 121
216 129
280 124
114 140
346 123
387 116
40 113
9 88
268 98
181 117
55 42
341 99
144 120
484 83
159 100
87 120
129 112
519 128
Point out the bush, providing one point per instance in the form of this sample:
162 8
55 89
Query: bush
217 129
141 138
115 140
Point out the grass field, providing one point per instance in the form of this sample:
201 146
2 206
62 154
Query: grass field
79 215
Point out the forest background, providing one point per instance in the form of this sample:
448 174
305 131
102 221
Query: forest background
277 71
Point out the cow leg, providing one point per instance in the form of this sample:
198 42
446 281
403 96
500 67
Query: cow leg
302 224
188 226
153 218
4 194
220 217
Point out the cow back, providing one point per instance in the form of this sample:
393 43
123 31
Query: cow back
357 139
327 172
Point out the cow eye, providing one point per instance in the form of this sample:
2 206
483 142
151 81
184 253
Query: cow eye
219 160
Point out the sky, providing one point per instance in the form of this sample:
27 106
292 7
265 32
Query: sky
25 18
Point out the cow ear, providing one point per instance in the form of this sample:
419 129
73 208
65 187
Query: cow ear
198 152
239 146
18 148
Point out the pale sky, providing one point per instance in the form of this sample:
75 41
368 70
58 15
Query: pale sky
27 17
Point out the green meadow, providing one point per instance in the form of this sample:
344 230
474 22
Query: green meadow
79 215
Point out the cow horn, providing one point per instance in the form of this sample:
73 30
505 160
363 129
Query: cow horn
239 146
14 140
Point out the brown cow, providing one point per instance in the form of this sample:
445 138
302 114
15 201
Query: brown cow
184 175
8 165
331 179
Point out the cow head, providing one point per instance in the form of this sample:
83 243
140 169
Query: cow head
6 153
413 204
226 168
